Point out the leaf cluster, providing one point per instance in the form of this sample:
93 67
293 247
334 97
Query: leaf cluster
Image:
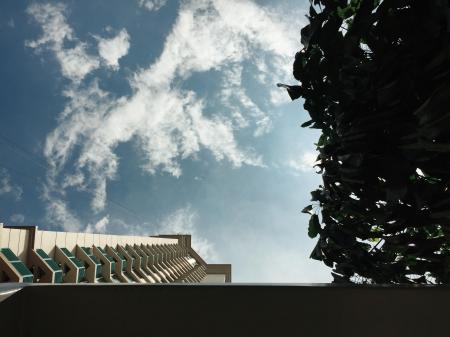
375 79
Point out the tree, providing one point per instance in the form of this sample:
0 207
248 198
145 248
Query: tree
375 78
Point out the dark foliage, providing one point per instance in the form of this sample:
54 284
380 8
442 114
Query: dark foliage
375 77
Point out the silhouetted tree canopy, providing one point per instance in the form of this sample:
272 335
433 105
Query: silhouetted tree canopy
375 77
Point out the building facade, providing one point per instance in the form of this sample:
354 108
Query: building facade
28 254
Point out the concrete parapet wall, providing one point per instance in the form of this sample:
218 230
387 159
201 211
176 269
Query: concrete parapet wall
227 310
20 239
180 264
17 240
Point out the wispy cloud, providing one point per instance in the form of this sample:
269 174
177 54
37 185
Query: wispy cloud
11 23
183 221
17 218
152 5
166 121
303 163
75 62
243 110
57 211
99 227
275 258
121 227
113 49
290 265
7 187
59 215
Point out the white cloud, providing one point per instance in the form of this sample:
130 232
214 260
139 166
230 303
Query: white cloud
288 265
235 98
120 227
10 23
304 163
152 5
111 50
183 221
17 218
58 214
99 226
278 97
7 187
276 257
167 122
75 62
167 126
213 34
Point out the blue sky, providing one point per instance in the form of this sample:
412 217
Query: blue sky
153 116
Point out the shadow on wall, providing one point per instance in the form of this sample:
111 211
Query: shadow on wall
226 310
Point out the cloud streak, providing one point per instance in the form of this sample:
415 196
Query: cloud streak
152 5
183 221
303 163
17 218
113 49
7 187
166 121
75 62
99 227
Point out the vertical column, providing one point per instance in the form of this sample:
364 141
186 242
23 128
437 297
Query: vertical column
153 264
159 264
191 273
166 258
180 263
184 265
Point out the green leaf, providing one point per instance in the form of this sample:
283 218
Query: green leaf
322 140
316 195
376 90
316 254
307 209
314 226
294 91
306 124
346 12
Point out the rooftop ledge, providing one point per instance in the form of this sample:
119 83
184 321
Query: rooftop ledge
227 310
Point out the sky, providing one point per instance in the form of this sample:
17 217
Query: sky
148 117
